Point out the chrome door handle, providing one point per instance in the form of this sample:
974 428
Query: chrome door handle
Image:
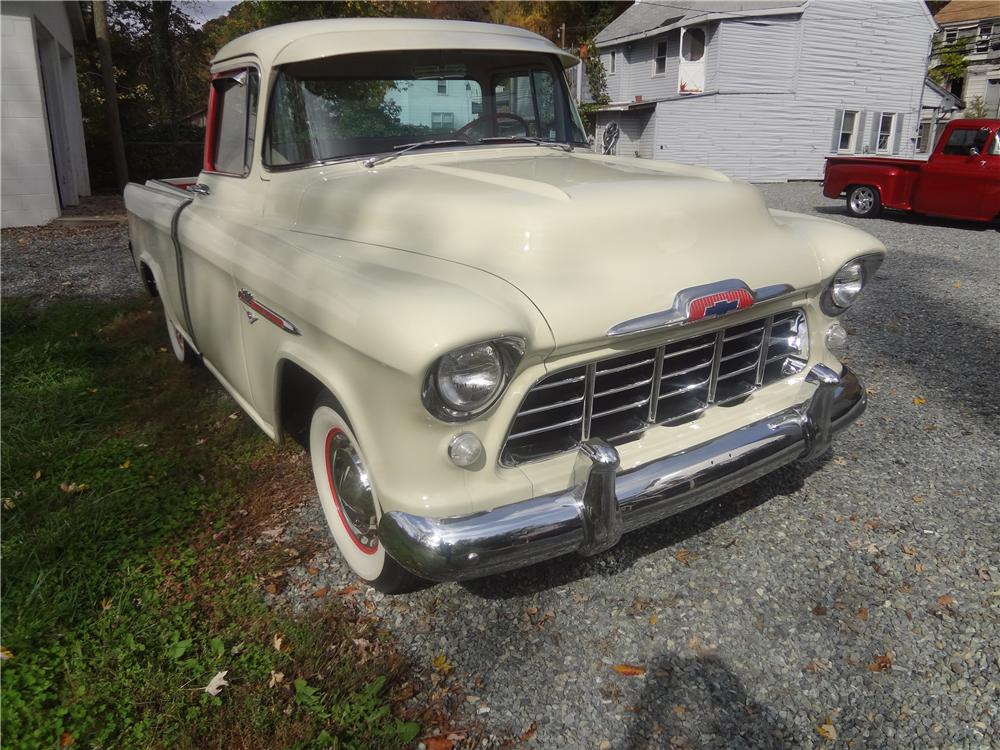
199 188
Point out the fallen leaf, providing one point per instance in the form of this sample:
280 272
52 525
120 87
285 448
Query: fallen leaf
863 613
819 610
818 665
441 664
683 556
438 743
66 739
946 600
277 641
919 400
126 465
72 488
983 574
908 550
347 590
957 285
234 415
882 662
653 620
918 567
105 605
321 592
918 499
38 475
840 461
271 588
5 653
276 677
629 670
827 731
214 687
679 710
312 571
528 733
162 350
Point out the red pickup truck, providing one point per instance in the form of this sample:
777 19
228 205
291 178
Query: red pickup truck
961 180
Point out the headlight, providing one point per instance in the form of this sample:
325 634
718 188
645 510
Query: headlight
467 381
848 282
847 285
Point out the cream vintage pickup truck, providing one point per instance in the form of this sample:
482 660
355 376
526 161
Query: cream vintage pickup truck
498 346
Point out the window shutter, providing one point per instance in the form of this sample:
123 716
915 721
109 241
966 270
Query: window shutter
897 136
859 139
838 120
876 127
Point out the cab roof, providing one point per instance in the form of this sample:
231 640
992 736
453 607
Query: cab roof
310 40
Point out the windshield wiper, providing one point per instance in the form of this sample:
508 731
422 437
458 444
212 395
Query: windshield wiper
404 147
526 139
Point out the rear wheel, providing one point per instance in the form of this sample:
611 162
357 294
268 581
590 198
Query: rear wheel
864 201
348 498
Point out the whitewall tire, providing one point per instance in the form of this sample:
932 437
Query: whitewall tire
348 498
178 345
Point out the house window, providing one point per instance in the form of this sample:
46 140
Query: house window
694 45
235 119
442 87
443 122
923 137
848 131
660 60
613 67
886 131
950 36
985 33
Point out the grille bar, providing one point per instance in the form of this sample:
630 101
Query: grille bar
620 397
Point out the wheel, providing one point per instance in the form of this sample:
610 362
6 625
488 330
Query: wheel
349 501
178 344
864 201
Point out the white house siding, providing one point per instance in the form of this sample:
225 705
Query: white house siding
758 55
728 132
41 128
636 130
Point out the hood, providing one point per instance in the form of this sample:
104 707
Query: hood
592 241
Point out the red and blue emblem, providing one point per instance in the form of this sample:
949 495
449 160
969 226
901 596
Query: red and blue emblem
720 303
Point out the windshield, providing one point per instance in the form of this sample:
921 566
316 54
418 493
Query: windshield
355 105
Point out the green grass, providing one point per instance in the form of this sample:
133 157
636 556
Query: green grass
123 590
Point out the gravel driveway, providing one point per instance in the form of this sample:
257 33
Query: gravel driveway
853 601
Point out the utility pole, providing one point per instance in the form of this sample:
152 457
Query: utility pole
110 93
562 35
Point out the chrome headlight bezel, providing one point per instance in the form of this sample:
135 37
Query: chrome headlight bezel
863 267
509 349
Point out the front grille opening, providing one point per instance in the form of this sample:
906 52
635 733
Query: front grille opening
617 399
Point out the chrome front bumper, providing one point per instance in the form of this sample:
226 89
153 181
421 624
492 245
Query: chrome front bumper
591 515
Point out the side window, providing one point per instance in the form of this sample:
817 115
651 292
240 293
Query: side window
995 145
963 140
528 97
234 120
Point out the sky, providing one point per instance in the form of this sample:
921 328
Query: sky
204 10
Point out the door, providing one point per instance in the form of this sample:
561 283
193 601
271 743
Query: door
953 183
212 231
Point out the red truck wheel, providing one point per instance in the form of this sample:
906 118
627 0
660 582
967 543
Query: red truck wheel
864 201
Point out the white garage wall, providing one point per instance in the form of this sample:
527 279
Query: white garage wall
28 188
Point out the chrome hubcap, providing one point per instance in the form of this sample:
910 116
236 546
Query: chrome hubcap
862 200
353 488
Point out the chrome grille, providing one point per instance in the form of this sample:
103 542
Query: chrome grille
618 398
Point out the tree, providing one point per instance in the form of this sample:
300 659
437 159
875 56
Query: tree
103 40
